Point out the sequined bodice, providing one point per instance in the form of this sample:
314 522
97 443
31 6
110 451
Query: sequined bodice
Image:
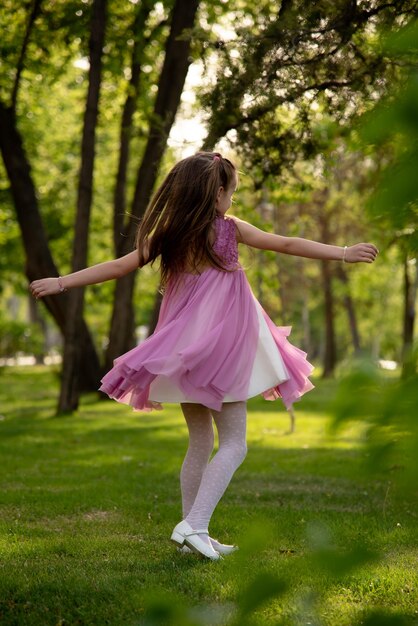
225 244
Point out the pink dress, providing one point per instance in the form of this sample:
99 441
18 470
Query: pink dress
213 343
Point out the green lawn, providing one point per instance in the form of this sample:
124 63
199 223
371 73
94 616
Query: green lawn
89 503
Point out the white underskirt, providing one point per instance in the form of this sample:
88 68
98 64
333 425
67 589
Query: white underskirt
268 370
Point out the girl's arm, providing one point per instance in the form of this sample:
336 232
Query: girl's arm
89 276
252 236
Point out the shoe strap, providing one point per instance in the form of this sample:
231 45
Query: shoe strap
197 532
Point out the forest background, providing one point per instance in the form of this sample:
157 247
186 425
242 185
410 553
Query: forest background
99 99
317 103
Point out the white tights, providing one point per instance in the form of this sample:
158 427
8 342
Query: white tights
202 483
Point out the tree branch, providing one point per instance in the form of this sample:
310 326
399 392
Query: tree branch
36 7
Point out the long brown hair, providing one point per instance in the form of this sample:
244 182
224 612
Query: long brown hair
177 223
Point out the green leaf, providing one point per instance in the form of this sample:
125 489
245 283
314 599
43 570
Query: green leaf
263 588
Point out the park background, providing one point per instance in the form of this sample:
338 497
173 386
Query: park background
317 103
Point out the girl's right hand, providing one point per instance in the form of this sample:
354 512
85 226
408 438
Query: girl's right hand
361 253
45 287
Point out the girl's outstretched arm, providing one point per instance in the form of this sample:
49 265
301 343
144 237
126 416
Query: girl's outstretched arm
252 236
91 275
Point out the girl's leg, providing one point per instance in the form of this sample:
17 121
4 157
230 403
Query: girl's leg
201 440
231 423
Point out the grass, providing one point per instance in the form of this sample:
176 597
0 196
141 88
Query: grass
89 502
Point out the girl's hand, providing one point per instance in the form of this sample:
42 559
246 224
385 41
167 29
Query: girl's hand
361 253
45 287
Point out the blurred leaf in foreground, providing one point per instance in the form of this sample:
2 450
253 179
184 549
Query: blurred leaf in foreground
379 618
329 558
393 123
262 589
389 410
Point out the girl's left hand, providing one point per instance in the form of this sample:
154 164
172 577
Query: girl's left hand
361 253
45 287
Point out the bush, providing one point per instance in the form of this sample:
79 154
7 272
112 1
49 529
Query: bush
20 337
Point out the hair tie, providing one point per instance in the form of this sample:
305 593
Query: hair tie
216 158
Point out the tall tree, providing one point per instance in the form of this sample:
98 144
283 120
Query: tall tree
126 128
69 394
39 261
330 348
170 87
410 297
351 309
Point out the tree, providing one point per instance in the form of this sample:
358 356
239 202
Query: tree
305 65
302 54
170 87
70 386
393 123
126 125
39 260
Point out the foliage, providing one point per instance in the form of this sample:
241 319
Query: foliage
281 73
333 185
393 124
50 104
387 407
19 337
50 108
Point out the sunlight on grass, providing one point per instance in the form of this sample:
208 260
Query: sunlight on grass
89 502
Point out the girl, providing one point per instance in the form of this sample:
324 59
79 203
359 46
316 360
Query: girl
214 346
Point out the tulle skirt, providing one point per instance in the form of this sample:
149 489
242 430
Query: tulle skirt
213 343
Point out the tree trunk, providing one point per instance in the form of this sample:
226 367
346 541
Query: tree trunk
124 288
170 88
35 318
306 326
33 13
39 262
121 336
330 356
69 394
410 286
119 201
330 352
280 228
306 323
351 311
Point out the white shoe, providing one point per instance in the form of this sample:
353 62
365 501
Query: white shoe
183 534
222 548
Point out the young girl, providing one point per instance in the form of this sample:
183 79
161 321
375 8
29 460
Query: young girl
214 346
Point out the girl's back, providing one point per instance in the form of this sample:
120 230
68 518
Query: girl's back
223 240
178 225
213 342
